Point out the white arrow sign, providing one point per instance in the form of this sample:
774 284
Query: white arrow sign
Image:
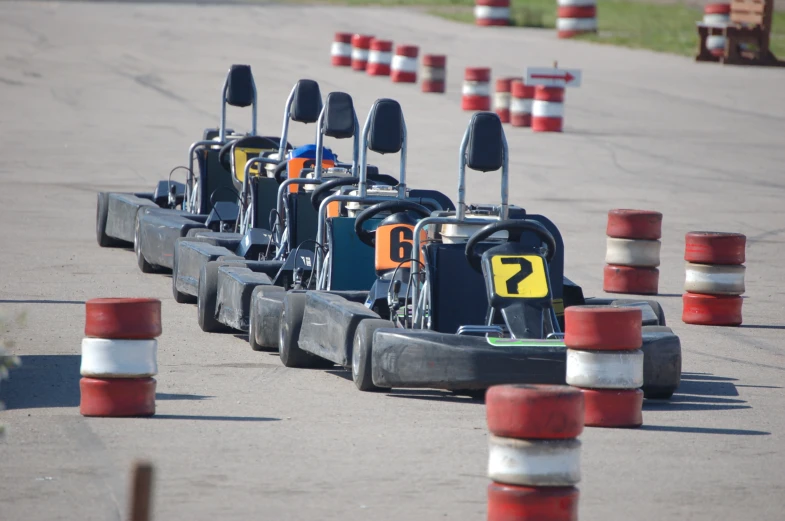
553 77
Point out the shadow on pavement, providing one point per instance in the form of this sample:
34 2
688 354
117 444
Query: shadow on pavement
42 301
703 430
701 392
757 326
434 395
214 418
43 381
173 396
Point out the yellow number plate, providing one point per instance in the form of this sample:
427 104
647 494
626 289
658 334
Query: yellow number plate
519 276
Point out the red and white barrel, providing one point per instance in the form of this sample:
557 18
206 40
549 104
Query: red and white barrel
341 50
476 91
119 357
502 98
576 17
521 104
492 12
404 64
548 109
714 278
379 58
717 14
361 49
605 361
434 73
534 453
632 254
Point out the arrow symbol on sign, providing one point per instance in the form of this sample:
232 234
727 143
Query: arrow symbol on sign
566 77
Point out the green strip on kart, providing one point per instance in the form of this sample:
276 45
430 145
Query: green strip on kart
523 342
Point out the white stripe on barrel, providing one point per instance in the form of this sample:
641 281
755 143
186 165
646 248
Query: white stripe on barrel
521 104
492 12
632 252
476 89
548 109
605 369
111 358
576 17
551 463
715 279
434 73
404 64
502 98
379 58
361 45
341 50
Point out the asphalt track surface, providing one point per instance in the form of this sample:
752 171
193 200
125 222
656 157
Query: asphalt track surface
109 96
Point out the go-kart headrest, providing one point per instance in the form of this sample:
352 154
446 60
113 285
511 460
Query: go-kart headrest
239 86
339 116
485 149
307 102
386 132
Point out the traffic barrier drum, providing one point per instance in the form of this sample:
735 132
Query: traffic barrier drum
341 50
632 253
576 17
492 12
404 64
379 58
476 92
714 278
534 453
522 98
361 48
719 15
548 109
502 98
119 357
605 361
434 73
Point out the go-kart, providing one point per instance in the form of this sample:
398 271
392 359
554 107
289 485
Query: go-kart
258 188
305 324
157 230
226 283
116 212
487 299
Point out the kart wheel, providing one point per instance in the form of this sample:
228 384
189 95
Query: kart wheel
661 362
289 335
264 319
179 297
101 215
361 354
205 305
145 266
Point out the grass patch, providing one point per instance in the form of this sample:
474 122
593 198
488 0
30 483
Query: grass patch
660 27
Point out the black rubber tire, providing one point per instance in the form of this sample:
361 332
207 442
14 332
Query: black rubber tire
289 335
206 300
361 354
101 215
179 297
144 266
661 363
260 326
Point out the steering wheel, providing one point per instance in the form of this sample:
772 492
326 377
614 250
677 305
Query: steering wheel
255 141
393 206
515 228
281 168
322 191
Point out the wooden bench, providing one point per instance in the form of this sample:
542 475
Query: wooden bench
746 36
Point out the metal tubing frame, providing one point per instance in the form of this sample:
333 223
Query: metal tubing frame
460 214
362 186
